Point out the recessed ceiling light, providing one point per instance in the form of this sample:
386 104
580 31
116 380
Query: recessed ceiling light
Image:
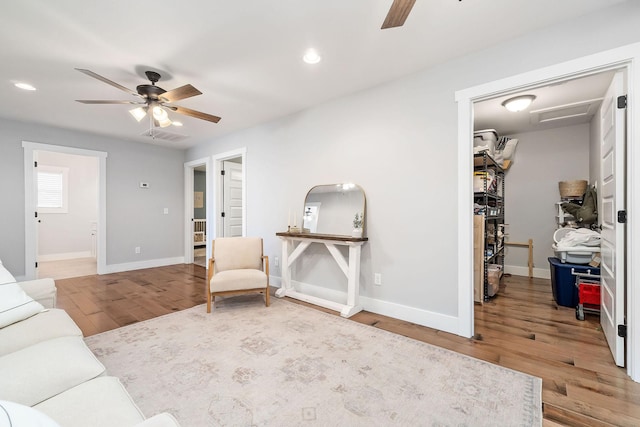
518 103
25 86
311 56
176 123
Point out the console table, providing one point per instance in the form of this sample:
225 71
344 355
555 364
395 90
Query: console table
350 268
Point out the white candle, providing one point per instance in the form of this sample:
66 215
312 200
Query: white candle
289 218
295 219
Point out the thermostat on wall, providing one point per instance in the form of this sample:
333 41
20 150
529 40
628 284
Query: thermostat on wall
144 185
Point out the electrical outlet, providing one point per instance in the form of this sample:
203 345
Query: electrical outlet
377 279
137 249
276 261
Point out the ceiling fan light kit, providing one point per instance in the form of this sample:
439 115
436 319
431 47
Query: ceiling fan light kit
518 103
156 98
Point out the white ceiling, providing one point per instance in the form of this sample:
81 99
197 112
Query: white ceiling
556 105
243 55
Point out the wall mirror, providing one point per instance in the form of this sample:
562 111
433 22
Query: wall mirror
330 209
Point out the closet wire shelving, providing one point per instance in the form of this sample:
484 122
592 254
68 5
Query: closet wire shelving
494 215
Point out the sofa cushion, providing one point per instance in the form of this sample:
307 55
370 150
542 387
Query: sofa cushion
42 290
234 280
16 305
101 402
14 414
5 276
40 371
53 323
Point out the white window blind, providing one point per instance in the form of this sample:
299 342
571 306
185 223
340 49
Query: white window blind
52 189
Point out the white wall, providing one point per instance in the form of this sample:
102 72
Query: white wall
134 215
68 235
543 158
398 141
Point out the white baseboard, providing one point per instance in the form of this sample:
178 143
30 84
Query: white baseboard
419 316
139 265
538 273
63 256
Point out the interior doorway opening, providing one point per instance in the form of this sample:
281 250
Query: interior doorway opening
558 143
197 205
230 193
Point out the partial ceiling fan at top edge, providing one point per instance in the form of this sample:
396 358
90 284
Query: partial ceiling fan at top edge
398 13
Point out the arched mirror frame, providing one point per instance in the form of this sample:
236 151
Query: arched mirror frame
341 215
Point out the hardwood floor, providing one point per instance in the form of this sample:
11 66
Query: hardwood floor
523 329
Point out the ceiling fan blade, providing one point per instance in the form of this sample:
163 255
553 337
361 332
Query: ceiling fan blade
398 13
107 81
194 113
100 101
186 91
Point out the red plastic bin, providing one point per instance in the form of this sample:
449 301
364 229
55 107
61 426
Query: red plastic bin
589 294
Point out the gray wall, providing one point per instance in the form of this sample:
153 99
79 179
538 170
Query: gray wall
543 158
134 215
200 184
398 141
70 233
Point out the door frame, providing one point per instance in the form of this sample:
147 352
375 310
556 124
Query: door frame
217 184
623 58
189 168
30 197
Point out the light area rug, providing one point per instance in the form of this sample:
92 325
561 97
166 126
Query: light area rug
289 365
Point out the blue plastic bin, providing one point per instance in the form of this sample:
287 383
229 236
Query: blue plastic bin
563 283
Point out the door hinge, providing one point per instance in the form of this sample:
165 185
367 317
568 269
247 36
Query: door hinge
622 101
221 172
622 217
222 214
622 331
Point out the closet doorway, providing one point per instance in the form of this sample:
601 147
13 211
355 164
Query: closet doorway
568 133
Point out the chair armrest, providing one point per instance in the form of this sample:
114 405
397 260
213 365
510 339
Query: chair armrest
212 261
265 259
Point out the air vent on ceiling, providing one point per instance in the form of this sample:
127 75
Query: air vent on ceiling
164 135
577 111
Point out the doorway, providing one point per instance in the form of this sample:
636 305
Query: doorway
561 137
197 206
96 229
229 183
617 59
67 202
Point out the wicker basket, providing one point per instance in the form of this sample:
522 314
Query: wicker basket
572 188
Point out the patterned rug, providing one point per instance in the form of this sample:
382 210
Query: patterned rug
285 365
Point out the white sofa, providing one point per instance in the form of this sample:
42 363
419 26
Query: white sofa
48 376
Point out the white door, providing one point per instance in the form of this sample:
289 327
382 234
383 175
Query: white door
232 199
612 202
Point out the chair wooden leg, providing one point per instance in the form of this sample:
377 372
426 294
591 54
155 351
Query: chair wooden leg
209 302
266 296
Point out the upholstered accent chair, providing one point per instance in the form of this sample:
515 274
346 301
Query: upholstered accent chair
237 266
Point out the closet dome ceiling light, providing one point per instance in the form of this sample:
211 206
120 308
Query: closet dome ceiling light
518 103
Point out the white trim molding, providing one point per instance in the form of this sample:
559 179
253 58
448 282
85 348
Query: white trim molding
139 265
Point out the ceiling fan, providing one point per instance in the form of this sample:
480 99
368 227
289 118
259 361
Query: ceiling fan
398 13
154 99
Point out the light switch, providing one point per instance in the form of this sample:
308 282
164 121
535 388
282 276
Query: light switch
166 211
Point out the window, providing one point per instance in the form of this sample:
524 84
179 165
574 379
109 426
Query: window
53 189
